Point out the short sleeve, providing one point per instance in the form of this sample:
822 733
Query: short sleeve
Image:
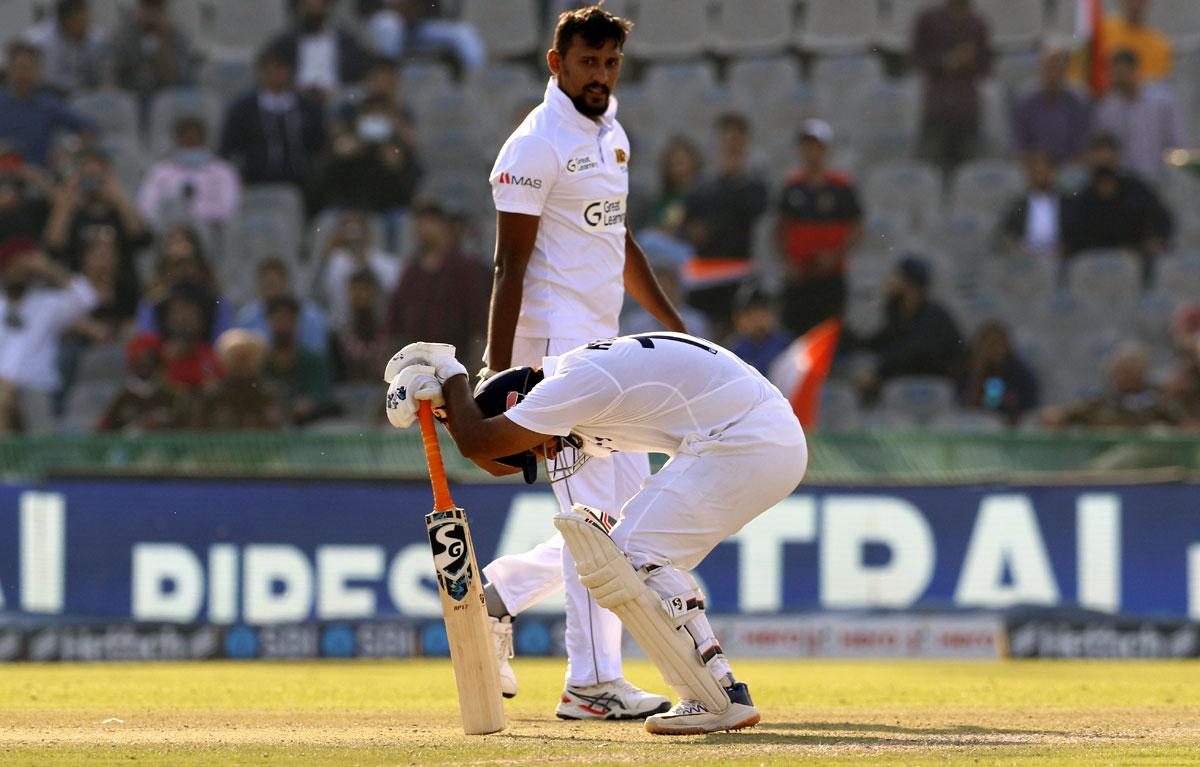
523 174
572 397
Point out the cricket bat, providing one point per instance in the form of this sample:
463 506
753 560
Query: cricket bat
467 630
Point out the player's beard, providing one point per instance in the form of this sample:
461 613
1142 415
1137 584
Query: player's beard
590 110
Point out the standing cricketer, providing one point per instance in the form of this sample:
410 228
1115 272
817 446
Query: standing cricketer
563 263
735 447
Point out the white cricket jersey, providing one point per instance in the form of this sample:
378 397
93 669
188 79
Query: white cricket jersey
573 172
652 393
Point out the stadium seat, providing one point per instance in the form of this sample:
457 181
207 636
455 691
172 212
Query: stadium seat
128 158
884 229
456 149
752 27
16 17
986 185
1013 24
838 408
358 402
1152 324
1178 275
452 111
508 27
838 26
424 81
884 125
1113 279
275 199
864 294
109 15
1018 282
1180 21
766 77
86 403
966 234
188 17
895 33
970 312
101 362
116 112
923 397
668 29
1063 316
777 118
173 103
255 236
885 419
226 78
241 28
500 86
909 186
836 77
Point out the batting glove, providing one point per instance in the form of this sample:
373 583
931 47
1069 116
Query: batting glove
413 385
438 356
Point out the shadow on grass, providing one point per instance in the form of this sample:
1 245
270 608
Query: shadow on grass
958 729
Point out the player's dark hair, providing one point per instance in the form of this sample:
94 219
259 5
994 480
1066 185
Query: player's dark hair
275 53
592 23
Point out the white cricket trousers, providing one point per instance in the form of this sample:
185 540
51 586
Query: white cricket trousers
593 634
711 489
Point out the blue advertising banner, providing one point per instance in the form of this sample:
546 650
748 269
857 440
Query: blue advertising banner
264 553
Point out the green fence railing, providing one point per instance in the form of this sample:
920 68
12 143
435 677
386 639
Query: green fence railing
849 457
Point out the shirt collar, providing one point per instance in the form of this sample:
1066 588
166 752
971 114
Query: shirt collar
559 103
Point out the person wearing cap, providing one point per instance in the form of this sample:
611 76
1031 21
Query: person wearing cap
39 301
243 398
918 337
146 402
819 223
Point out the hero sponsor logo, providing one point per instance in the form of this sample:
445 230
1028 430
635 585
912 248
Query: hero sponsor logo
580 164
605 214
515 180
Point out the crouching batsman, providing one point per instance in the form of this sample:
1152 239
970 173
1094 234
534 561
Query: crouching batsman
735 448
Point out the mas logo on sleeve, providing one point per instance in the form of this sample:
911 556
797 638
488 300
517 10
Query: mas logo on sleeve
604 215
515 180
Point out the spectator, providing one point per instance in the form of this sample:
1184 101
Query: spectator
31 121
145 402
1181 390
1033 223
362 343
25 191
152 54
92 205
757 337
77 54
1143 118
442 293
383 84
402 28
111 320
243 399
191 363
679 168
1128 31
997 380
1129 402
722 210
275 281
192 184
952 49
181 262
350 249
1115 209
1053 119
919 337
302 376
327 57
33 319
819 223
638 320
274 134
373 168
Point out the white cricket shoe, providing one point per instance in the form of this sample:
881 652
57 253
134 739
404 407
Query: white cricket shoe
503 641
690 717
617 699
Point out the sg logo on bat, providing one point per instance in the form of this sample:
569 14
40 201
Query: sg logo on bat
448 540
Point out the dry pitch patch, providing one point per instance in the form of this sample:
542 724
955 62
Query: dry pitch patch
405 712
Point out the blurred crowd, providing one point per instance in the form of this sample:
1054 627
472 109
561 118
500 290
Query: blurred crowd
140 295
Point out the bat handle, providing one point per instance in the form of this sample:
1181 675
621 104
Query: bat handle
433 456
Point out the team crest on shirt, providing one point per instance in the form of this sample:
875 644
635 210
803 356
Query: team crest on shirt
621 156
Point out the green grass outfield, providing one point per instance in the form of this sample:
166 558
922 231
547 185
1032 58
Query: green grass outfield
405 713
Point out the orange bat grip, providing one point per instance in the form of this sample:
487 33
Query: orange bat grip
433 456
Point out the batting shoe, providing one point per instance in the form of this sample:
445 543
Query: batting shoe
690 717
503 641
617 699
